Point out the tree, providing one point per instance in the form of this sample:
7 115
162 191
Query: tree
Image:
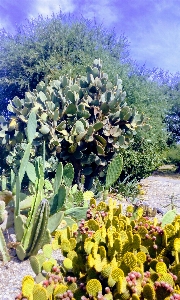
47 47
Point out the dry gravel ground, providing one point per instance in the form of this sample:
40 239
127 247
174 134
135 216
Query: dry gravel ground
162 192
159 191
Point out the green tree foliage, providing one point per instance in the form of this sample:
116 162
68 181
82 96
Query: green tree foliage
173 123
173 116
141 158
45 47
64 45
172 156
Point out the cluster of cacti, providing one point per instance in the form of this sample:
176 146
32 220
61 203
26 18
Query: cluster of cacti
33 232
112 256
84 120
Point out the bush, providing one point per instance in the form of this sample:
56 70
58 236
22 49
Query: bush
47 47
172 156
141 159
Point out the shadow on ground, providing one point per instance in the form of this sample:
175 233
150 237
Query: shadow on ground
167 171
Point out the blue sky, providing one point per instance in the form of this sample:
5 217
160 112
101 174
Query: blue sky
151 26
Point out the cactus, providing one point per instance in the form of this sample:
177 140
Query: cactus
114 171
33 237
168 217
110 256
27 286
83 121
2 211
3 248
94 287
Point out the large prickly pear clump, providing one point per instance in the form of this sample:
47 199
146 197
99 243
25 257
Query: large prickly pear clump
112 256
84 120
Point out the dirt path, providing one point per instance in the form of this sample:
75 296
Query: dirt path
162 189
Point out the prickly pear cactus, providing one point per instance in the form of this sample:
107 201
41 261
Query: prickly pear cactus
114 170
109 255
84 120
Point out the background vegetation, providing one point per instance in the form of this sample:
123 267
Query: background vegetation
50 47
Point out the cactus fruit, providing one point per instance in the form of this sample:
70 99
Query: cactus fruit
107 258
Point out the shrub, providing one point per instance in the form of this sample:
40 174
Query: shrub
172 156
46 46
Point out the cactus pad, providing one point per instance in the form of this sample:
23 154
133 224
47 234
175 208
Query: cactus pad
47 250
27 285
67 263
148 292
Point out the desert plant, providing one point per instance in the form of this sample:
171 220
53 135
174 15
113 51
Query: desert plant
111 256
84 121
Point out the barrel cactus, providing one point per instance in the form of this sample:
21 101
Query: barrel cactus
84 120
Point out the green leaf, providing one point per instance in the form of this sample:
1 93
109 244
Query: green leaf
17 198
58 178
169 217
98 126
121 140
24 162
31 127
2 119
42 96
66 222
79 127
61 196
100 139
70 96
100 150
61 126
31 172
54 221
17 102
48 185
77 213
87 171
68 174
114 170
71 109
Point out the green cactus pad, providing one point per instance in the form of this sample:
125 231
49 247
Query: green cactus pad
47 250
27 286
67 263
93 287
35 264
40 292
